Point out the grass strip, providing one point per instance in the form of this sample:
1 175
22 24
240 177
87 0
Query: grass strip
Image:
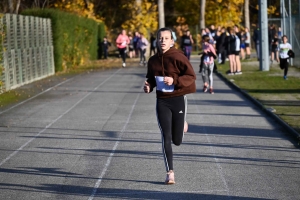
270 89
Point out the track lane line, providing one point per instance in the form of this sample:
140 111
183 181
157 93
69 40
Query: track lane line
49 125
100 178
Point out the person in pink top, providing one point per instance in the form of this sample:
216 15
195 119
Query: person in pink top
208 64
122 41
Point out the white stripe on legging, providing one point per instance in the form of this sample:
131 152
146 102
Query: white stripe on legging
162 141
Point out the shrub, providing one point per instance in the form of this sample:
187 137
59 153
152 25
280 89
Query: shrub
75 38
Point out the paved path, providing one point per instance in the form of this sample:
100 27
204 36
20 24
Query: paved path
95 136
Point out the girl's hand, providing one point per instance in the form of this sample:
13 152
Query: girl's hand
147 87
168 80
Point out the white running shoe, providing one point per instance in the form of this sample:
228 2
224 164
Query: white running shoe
170 179
124 65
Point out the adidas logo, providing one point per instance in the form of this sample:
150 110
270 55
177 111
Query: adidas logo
180 111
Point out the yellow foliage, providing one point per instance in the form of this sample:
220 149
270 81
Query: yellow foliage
144 17
270 9
78 7
223 12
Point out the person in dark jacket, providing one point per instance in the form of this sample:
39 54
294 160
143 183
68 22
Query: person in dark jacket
256 39
187 44
271 35
105 45
231 50
220 46
171 73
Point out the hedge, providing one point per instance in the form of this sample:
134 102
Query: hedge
75 38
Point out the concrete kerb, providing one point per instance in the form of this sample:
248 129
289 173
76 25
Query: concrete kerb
260 105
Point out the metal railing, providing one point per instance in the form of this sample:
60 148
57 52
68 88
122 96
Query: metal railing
26 50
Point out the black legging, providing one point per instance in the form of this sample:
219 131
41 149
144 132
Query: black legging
171 114
123 54
142 55
284 64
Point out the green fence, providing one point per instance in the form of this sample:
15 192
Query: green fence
26 50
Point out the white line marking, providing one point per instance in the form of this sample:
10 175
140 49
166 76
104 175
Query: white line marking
24 145
214 154
113 151
35 96
164 192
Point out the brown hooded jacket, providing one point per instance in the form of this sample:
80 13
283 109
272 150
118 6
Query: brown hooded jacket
173 63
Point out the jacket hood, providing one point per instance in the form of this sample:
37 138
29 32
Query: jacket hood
171 52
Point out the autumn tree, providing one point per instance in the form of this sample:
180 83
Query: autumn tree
143 17
202 13
79 7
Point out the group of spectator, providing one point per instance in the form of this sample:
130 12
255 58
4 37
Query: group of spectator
231 43
222 44
274 40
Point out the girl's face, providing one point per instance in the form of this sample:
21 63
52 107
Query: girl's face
165 41
284 39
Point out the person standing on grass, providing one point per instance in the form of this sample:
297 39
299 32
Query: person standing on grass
274 49
220 46
122 42
237 54
247 43
256 39
231 50
284 48
243 44
208 64
172 74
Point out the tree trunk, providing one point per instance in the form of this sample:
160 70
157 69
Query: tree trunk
247 16
44 4
17 6
161 14
202 14
10 6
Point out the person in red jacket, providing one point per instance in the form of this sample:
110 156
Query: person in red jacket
122 41
170 71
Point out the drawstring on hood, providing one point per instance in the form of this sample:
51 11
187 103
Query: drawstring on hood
173 63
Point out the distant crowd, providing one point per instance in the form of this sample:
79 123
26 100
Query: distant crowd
231 44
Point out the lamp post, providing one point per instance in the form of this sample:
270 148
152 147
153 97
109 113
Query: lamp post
264 40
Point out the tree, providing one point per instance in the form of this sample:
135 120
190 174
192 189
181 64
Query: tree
161 13
246 14
202 13
224 12
79 7
113 12
143 17
13 6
